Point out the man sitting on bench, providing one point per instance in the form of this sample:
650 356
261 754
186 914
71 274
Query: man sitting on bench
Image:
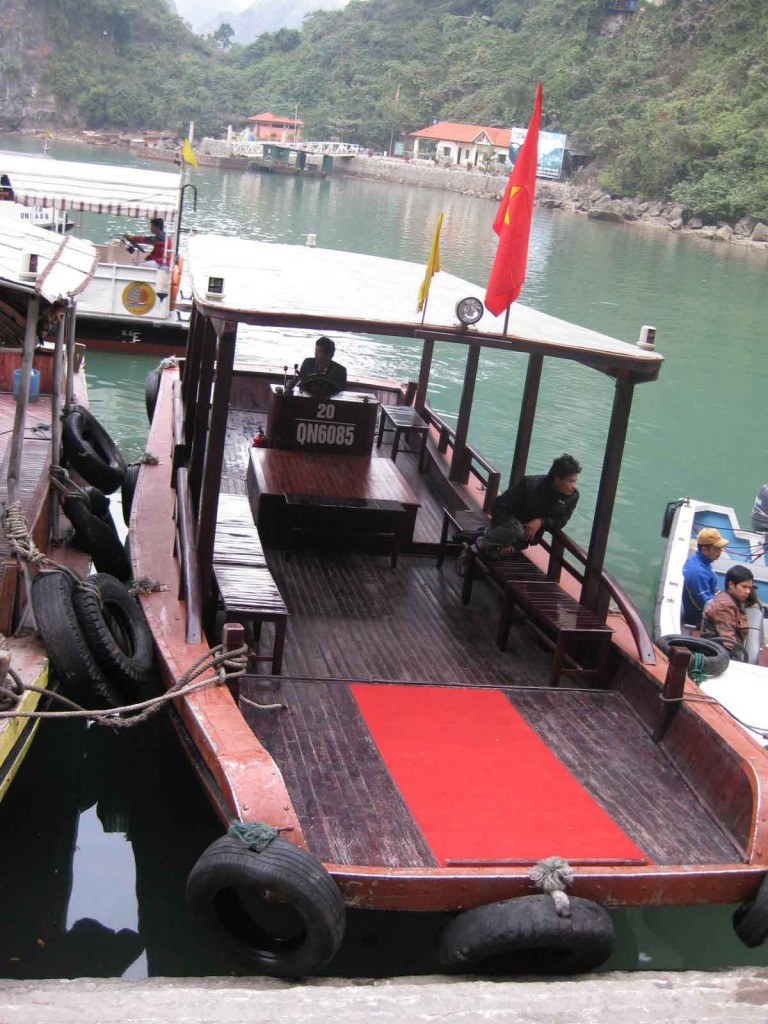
522 513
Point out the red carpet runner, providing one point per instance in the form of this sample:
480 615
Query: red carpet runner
480 783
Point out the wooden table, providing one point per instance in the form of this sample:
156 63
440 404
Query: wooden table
273 473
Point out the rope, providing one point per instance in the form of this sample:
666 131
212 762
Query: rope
553 876
225 664
147 459
696 668
18 535
254 834
146 585
167 363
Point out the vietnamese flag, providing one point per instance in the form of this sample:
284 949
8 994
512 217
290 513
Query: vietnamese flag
513 222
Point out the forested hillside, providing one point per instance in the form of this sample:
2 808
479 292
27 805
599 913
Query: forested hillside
670 101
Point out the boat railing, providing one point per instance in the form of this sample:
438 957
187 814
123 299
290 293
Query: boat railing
610 587
488 476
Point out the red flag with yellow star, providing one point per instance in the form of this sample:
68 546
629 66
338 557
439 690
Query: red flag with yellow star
513 221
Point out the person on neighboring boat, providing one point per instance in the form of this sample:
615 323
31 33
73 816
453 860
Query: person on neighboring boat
323 365
699 580
6 191
522 513
157 239
725 616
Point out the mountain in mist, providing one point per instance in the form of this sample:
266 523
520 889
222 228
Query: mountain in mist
250 21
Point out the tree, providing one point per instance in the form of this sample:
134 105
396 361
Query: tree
223 35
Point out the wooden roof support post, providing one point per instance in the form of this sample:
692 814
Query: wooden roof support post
22 400
191 378
420 398
527 418
461 456
593 595
197 437
58 383
214 455
69 393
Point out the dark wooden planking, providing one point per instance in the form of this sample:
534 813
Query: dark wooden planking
351 811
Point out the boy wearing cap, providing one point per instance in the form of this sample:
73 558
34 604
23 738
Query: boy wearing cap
699 580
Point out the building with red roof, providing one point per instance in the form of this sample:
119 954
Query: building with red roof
452 143
268 128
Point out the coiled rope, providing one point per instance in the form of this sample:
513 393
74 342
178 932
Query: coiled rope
553 876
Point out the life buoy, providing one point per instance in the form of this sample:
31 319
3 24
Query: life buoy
96 536
750 920
298 936
527 936
68 652
90 450
715 658
151 391
117 633
176 280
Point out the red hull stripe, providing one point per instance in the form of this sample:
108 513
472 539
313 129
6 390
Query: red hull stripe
480 783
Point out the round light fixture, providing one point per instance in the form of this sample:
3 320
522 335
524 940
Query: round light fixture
469 310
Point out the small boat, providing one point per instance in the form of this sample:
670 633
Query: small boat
41 276
127 301
399 737
742 688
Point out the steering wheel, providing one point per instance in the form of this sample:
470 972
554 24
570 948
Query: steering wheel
131 246
317 384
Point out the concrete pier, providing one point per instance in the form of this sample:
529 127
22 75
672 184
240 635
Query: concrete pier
723 997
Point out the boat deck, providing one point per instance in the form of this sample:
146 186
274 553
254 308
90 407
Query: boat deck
356 619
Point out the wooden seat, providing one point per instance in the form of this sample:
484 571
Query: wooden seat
237 540
250 597
358 519
464 519
556 616
402 419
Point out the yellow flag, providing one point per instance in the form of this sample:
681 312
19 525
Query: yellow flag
433 265
188 154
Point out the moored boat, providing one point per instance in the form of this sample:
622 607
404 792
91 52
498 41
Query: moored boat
384 748
41 276
129 300
742 688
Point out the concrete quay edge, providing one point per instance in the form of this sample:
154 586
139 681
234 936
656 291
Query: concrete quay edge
726 997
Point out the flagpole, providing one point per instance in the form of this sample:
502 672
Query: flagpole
506 321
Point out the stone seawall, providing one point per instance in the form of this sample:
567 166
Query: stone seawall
593 202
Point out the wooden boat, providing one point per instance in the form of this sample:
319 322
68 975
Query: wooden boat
126 302
387 751
39 272
741 688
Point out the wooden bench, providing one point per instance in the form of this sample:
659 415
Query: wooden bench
248 592
467 520
402 419
556 616
250 597
345 518
237 540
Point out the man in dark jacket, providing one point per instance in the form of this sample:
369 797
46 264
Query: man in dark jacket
323 370
521 514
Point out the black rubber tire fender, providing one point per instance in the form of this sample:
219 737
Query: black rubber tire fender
716 658
90 450
98 538
750 920
279 911
151 391
527 936
128 489
117 633
69 655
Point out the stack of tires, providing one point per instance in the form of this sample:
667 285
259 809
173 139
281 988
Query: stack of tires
97 639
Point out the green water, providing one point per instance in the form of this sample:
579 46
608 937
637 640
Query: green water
692 433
